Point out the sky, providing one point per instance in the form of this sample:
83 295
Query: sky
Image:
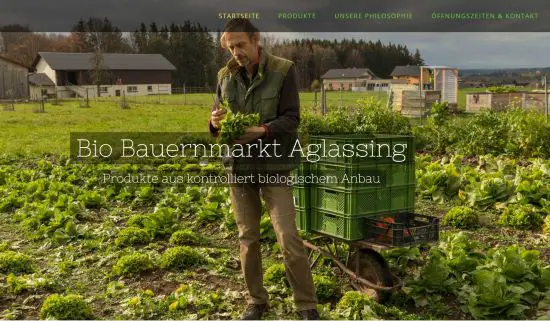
463 50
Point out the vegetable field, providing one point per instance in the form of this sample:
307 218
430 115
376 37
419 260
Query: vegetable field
72 247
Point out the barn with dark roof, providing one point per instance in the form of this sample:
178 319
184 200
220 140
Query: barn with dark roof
75 74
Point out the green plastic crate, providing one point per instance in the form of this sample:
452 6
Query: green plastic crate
392 141
363 201
303 219
374 175
346 228
301 196
400 174
302 169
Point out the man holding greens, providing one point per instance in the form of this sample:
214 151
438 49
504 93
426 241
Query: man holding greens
254 81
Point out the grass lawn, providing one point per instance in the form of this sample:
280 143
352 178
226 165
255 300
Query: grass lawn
25 132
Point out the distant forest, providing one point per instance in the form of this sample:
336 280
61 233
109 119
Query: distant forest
196 53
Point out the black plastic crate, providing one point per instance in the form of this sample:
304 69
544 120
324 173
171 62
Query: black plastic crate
401 229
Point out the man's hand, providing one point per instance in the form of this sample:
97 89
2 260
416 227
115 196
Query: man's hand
252 133
217 116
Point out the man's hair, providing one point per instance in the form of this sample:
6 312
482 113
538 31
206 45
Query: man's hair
238 25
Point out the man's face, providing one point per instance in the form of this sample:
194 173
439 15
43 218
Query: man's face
242 48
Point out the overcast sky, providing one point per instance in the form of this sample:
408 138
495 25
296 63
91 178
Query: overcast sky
466 50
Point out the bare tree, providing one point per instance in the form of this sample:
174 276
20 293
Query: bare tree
268 41
98 74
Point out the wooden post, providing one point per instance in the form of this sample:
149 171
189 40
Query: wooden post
546 96
315 104
421 87
456 86
443 85
323 100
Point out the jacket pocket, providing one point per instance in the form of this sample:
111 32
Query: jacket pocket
269 104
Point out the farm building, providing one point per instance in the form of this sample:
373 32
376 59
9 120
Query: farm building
409 73
121 74
442 78
13 79
356 79
40 86
529 100
416 99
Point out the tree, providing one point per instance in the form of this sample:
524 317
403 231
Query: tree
188 46
98 34
268 41
221 56
315 57
315 85
354 58
26 49
98 74
417 59
11 35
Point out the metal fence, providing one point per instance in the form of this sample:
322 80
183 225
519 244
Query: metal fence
200 97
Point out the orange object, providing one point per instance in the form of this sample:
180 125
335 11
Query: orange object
388 234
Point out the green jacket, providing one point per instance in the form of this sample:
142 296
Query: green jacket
272 93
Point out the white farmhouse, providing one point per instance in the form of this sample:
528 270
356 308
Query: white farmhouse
122 74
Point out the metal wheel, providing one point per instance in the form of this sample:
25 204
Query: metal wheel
370 265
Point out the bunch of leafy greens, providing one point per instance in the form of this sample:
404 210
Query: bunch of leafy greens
235 125
461 217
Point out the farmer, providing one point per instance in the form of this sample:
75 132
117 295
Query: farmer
254 81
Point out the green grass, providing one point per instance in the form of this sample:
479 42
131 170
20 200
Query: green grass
307 99
336 98
25 132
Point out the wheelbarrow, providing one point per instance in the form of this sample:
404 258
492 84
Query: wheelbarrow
368 270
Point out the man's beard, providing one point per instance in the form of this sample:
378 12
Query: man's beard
243 62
